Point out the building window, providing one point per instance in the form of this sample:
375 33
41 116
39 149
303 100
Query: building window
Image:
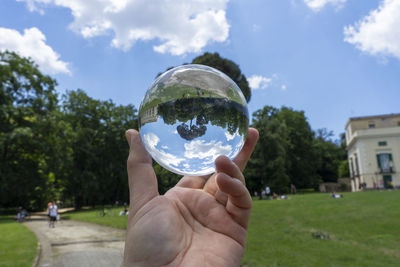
385 162
398 123
371 125
382 143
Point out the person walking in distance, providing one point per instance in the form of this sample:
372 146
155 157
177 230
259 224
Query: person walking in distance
52 214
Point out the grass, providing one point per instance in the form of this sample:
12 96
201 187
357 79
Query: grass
169 93
361 229
18 245
111 218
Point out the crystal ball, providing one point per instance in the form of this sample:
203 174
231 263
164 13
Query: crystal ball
189 116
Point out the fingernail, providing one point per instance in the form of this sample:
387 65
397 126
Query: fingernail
127 136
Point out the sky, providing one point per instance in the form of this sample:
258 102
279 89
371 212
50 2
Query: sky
333 59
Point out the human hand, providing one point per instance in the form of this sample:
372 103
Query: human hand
202 221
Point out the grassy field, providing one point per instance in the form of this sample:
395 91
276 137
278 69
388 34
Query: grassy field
18 245
361 229
110 218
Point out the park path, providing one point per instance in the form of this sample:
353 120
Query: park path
74 243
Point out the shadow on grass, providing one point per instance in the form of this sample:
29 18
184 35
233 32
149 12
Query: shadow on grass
7 219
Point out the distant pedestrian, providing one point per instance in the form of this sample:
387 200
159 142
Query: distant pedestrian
293 189
19 214
52 212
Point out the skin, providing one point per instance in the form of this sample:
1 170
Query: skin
202 221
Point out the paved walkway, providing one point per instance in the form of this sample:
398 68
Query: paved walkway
73 243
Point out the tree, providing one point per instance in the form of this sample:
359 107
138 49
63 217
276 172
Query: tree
228 67
288 152
99 150
27 105
48 152
343 169
267 166
300 155
327 156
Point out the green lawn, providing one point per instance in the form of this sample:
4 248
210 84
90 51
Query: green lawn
18 245
363 229
111 218
170 93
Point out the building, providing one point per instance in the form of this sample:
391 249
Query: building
373 149
149 115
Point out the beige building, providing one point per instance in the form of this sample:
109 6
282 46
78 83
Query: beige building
373 148
149 115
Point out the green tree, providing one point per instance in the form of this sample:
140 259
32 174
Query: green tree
99 151
300 163
288 152
267 166
327 156
27 105
343 169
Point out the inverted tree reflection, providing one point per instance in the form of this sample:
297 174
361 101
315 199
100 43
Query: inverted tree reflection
196 113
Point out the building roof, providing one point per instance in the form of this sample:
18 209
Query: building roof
375 117
372 117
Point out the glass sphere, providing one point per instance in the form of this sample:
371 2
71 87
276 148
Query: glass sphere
189 116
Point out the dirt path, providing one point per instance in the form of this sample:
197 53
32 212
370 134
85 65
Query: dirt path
73 243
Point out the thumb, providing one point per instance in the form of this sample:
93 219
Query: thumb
142 178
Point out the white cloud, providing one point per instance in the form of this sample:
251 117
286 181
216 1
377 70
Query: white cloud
202 150
34 5
150 140
379 32
230 137
179 26
259 82
317 5
32 43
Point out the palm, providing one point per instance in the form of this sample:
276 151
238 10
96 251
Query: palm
196 223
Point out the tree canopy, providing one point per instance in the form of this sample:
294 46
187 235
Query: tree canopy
289 152
27 104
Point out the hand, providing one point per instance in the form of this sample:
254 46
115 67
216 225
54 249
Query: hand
202 221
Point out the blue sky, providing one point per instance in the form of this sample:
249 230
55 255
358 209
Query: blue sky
334 59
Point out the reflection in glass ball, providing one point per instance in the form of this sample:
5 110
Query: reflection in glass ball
189 116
